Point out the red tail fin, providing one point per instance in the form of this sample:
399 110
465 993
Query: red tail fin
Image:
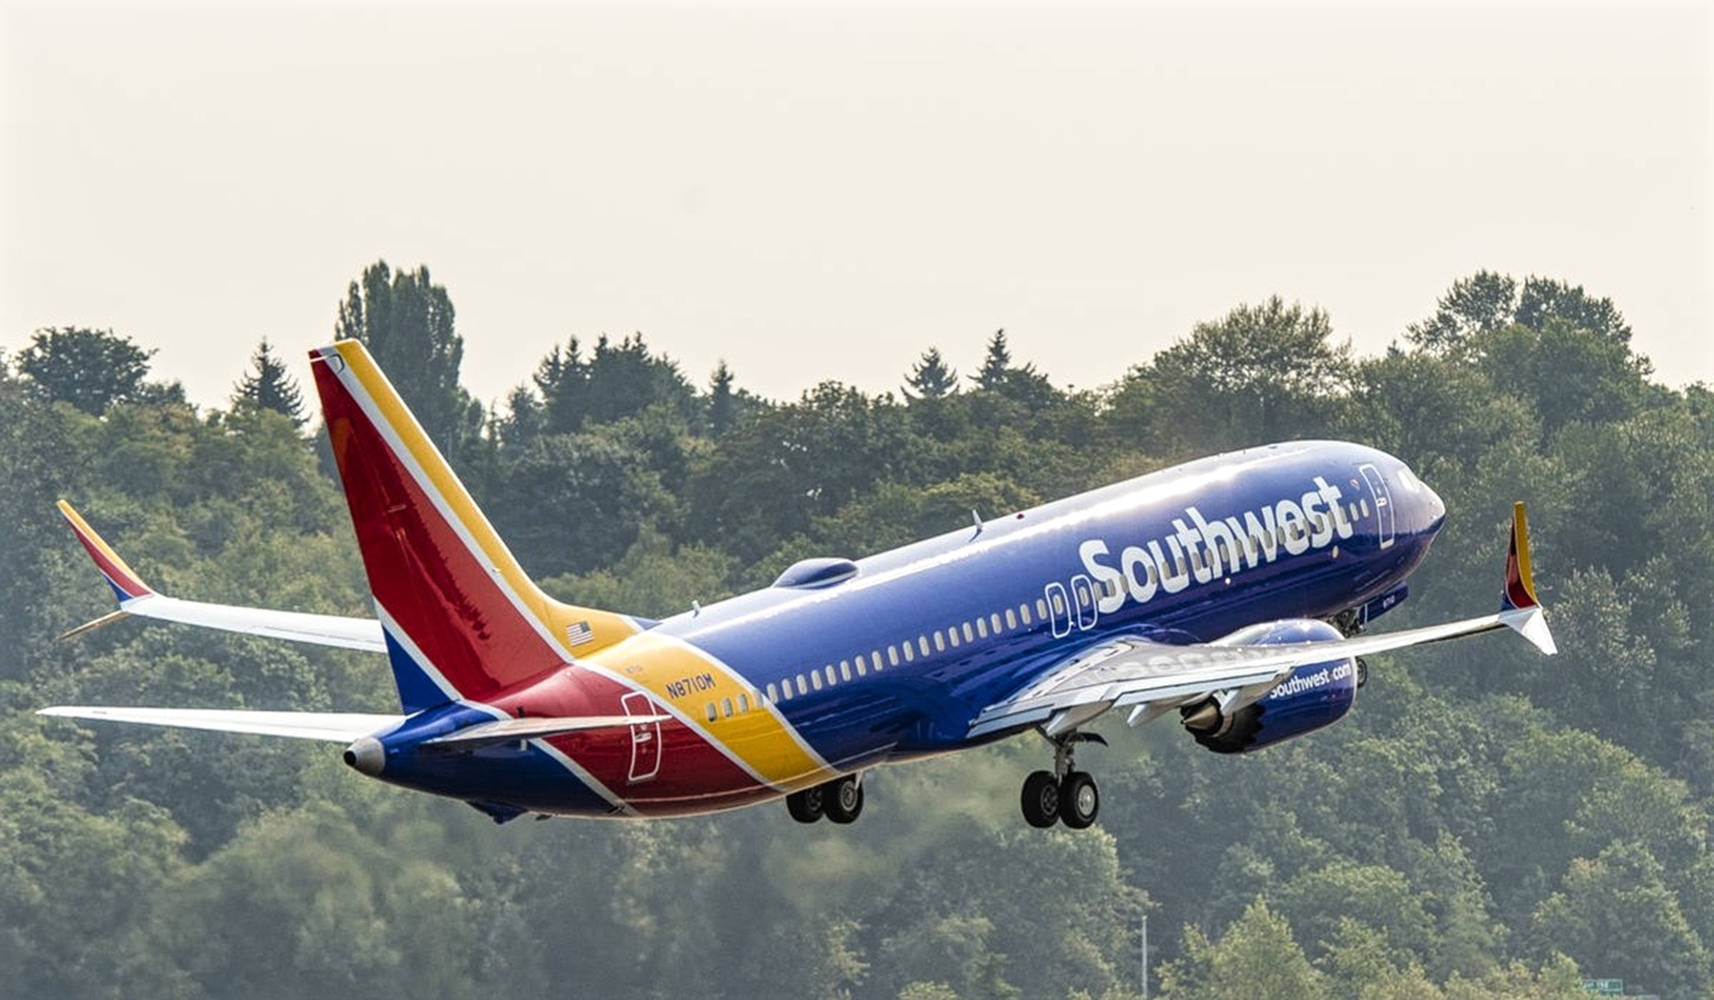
461 618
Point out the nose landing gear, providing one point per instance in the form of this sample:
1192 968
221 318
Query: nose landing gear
1065 794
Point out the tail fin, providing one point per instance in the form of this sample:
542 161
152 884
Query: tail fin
460 616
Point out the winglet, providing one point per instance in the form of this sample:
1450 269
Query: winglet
126 584
1519 608
1520 584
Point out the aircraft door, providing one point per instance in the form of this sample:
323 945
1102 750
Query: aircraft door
645 738
1383 501
1083 600
1058 609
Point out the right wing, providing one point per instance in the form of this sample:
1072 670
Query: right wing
137 598
1151 677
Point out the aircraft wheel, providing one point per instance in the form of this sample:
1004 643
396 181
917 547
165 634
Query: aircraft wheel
1041 799
843 798
806 806
1079 800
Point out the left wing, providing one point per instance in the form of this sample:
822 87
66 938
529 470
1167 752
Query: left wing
138 598
1151 677
334 727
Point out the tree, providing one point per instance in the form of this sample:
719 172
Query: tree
269 386
931 378
407 322
1486 301
1258 374
996 364
90 369
1256 957
722 408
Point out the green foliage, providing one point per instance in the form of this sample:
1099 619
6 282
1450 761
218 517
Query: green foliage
89 369
269 386
1486 824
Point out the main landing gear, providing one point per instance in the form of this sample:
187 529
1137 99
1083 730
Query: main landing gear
840 800
1064 794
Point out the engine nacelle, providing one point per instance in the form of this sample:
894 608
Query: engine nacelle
1310 698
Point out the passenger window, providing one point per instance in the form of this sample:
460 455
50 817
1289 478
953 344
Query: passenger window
910 652
773 694
860 668
922 644
1041 609
743 702
875 657
831 680
1363 506
1011 621
712 714
951 636
1058 603
892 656
969 634
802 685
726 706
981 628
844 670
815 679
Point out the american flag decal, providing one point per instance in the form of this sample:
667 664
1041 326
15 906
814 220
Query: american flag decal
578 633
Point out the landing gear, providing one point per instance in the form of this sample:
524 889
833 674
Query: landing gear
843 798
1041 799
808 805
1065 794
840 800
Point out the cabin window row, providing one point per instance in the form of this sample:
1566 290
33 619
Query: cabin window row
859 665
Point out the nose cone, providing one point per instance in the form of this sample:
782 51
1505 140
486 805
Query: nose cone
1433 509
366 755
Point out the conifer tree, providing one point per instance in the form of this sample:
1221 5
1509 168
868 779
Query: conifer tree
931 377
269 386
996 364
722 408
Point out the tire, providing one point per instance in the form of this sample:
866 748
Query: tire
806 806
1040 799
842 799
1079 800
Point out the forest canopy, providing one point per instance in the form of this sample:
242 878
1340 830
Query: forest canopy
1486 823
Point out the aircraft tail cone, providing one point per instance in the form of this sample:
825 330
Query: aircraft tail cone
366 755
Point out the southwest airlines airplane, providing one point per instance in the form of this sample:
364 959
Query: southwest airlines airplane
1233 591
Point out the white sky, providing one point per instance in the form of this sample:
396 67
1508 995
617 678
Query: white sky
821 192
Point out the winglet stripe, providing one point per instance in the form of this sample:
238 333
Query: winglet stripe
126 584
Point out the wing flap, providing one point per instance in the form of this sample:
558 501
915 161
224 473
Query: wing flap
334 727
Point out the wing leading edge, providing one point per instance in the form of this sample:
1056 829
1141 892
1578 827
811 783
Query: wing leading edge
1151 678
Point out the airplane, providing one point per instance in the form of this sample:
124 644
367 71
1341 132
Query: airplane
1234 591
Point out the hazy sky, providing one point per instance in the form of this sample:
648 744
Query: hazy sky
821 192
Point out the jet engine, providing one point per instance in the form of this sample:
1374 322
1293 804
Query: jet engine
1309 698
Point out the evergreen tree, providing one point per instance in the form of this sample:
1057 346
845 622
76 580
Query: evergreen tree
997 363
722 407
269 386
931 377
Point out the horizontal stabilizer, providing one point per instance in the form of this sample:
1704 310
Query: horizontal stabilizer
509 730
335 727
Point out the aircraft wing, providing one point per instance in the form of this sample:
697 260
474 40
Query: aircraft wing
334 727
1151 678
139 599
